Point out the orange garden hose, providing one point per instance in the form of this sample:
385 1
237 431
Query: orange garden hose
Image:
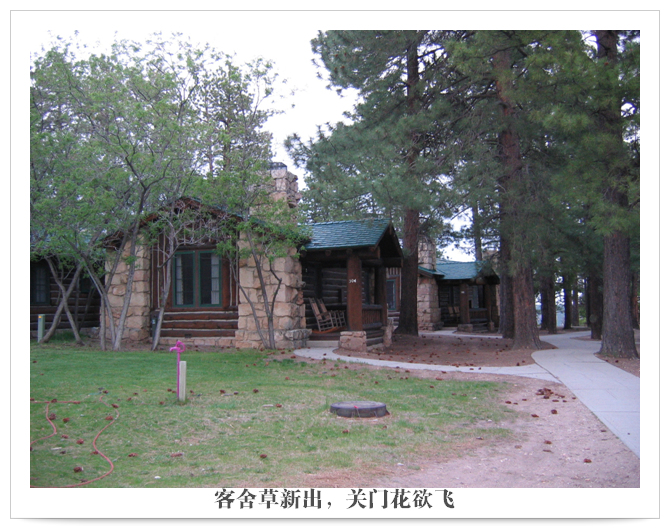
97 452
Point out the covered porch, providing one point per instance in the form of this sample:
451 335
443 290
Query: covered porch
344 265
467 295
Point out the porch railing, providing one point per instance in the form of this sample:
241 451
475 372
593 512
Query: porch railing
372 315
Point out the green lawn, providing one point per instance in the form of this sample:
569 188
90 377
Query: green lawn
219 439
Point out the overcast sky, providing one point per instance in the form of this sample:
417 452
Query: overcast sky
305 101
280 36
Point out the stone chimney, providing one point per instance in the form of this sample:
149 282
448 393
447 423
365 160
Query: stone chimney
286 184
427 253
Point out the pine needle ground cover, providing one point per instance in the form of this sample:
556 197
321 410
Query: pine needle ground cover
251 418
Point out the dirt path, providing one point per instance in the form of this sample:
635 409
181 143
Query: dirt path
556 442
569 448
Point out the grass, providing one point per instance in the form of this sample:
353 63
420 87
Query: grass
218 439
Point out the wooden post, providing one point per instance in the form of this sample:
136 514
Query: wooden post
354 292
40 326
182 381
380 292
465 305
488 300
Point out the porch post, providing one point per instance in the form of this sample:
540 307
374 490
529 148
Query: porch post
354 292
465 306
489 307
380 294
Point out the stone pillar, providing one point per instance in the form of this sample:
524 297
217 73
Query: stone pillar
289 311
428 304
138 322
427 253
285 184
388 332
354 341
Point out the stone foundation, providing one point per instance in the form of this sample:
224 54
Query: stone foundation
208 341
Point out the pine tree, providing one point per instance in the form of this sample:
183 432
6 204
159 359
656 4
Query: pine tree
390 160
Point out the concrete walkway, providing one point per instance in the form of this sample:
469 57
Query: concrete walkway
612 394
609 392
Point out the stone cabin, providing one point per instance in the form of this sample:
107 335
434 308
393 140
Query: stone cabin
353 266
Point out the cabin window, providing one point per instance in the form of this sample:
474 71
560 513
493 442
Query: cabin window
40 287
197 279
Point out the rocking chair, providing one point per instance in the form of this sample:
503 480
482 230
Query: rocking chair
327 320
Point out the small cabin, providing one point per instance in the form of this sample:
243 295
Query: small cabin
345 265
466 293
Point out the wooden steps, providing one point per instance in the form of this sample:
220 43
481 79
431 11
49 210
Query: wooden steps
199 324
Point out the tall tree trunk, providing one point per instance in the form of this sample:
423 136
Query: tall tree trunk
548 304
595 306
618 337
526 335
408 322
506 327
567 303
477 231
635 300
575 305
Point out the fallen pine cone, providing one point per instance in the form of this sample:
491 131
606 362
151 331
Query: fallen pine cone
345 431
64 436
80 441
263 456
115 405
554 412
255 391
109 418
534 415
178 454
66 419
78 469
133 454
587 461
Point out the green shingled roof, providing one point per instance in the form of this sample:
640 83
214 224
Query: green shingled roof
462 270
346 234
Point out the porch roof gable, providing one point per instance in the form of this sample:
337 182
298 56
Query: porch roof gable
347 234
459 270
